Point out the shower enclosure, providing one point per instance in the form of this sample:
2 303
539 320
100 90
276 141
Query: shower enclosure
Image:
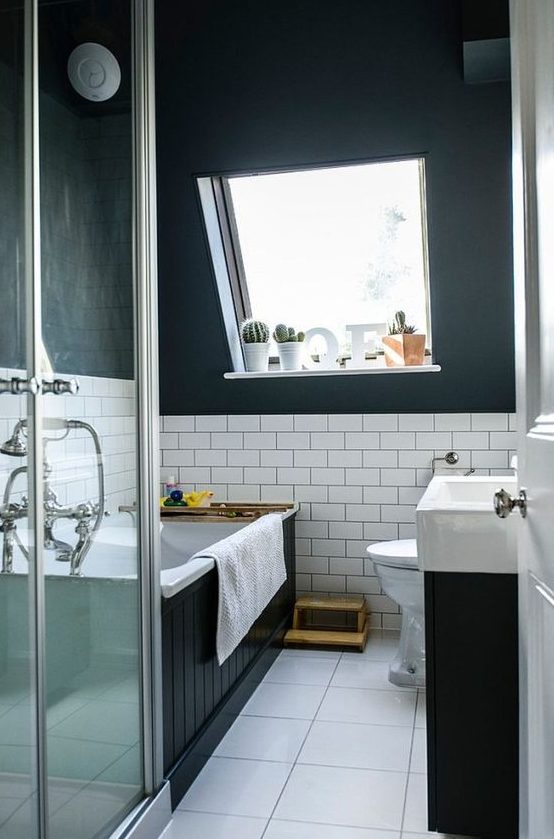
79 582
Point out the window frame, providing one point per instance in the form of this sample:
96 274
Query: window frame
216 200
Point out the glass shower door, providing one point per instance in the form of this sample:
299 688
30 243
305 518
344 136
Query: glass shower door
77 698
18 579
91 557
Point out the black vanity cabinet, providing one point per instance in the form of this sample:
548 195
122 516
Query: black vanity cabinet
472 704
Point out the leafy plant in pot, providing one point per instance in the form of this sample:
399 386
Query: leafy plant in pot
403 348
290 345
255 345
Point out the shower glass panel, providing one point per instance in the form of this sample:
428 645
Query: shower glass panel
91 559
18 739
78 713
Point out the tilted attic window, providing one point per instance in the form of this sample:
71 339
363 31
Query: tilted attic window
333 253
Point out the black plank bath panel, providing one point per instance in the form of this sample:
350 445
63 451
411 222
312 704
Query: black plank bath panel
472 704
200 698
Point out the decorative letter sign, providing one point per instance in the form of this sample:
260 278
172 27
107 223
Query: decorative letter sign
360 346
328 360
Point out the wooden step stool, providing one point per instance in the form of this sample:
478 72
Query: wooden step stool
329 637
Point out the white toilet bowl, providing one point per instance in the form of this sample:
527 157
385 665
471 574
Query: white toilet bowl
396 566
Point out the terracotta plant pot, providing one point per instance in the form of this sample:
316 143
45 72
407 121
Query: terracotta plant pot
404 350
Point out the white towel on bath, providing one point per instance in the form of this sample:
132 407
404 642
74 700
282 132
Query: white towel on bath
251 570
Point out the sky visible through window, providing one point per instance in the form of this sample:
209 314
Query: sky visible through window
327 247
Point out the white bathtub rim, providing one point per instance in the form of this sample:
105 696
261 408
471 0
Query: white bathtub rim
176 579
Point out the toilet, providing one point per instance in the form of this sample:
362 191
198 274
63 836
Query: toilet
397 569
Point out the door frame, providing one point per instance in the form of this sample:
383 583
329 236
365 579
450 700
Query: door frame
527 340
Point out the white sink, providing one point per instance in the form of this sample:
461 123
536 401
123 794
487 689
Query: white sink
458 530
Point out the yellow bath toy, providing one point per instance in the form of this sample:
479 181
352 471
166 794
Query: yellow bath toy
198 499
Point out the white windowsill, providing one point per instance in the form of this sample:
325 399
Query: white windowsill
376 370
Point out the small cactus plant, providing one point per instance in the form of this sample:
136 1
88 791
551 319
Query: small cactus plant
283 334
254 332
399 325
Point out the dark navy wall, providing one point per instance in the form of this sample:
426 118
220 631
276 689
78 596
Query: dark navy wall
247 84
86 195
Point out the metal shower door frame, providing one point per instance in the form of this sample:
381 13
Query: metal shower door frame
146 378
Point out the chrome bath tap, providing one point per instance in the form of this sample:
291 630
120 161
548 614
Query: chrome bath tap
87 515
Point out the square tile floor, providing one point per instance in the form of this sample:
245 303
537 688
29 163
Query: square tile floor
93 754
326 748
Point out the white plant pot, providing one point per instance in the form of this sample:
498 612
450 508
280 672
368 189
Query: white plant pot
256 357
290 355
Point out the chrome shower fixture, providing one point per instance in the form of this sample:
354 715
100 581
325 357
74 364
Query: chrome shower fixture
16 446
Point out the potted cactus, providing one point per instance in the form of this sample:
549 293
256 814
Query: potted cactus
255 345
403 348
290 345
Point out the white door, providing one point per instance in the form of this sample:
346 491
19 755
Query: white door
532 24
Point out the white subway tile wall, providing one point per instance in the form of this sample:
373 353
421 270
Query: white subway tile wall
356 477
109 406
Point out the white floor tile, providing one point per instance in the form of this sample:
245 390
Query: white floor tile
15 785
264 738
8 806
331 655
102 722
408 835
17 726
236 787
418 761
363 673
351 797
83 816
415 814
301 671
382 645
278 700
17 827
60 792
421 715
358 746
302 830
187 825
372 707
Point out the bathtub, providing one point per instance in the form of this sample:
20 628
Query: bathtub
89 618
201 699
182 539
112 555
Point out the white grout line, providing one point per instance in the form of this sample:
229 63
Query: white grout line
409 767
378 831
297 762
299 751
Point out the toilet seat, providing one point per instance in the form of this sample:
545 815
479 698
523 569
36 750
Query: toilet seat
400 553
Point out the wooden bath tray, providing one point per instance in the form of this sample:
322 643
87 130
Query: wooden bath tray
225 510
301 636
